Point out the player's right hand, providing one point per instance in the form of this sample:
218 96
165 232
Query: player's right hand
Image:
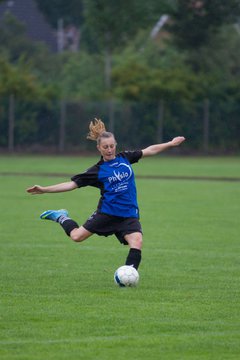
36 189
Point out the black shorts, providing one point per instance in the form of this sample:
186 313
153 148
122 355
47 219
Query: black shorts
105 225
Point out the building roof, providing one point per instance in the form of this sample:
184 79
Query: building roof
28 13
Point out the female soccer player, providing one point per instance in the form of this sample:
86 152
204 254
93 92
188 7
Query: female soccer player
117 211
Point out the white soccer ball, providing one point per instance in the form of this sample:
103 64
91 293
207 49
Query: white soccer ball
126 276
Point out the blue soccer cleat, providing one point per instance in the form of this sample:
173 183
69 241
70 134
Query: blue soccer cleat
53 214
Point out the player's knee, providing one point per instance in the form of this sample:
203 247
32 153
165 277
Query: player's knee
139 242
79 234
76 235
135 241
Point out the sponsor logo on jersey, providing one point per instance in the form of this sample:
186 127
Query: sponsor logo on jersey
119 176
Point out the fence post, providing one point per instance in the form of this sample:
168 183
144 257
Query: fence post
160 117
11 123
111 115
206 105
62 130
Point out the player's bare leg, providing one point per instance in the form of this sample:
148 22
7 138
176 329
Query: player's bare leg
70 226
80 234
134 240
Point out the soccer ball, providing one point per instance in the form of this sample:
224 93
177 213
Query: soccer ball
126 276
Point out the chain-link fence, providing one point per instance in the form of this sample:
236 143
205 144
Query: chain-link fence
209 126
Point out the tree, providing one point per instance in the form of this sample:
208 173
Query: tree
194 21
69 11
139 82
13 39
111 24
17 82
82 76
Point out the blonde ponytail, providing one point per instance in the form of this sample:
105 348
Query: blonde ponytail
96 127
97 131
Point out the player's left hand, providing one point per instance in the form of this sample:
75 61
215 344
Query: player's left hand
177 140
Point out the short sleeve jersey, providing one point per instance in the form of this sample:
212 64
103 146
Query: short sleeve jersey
116 181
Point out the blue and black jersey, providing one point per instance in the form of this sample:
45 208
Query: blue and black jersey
115 179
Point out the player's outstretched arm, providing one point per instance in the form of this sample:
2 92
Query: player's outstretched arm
38 190
157 148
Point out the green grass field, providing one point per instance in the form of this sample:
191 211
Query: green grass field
58 299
